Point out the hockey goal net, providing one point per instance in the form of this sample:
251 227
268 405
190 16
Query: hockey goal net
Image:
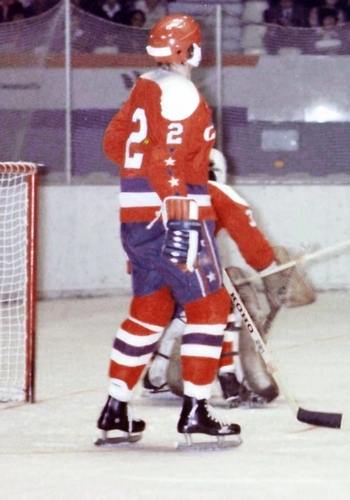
18 200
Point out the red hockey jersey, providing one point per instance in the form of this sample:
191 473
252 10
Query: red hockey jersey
161 138
234 214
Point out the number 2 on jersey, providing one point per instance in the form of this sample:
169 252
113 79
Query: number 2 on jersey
139 116
135 161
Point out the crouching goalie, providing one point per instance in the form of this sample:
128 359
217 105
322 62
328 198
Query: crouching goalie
242 375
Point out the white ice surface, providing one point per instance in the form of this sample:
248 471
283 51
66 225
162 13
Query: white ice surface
47 449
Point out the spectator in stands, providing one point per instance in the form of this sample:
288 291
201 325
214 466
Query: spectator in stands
154 10
134 40
331 9
328 37
137 18
117 11
131 41
286 13
10 10
328 19
87 5
36 7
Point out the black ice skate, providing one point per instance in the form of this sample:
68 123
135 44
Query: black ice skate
250 398
230 388
197 418
239 394
117 416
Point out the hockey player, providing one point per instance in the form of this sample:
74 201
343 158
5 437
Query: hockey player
235 216
161 138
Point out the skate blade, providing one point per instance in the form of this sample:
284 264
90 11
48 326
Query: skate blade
218 445
106 441
233 403
151 392
254 403
163 394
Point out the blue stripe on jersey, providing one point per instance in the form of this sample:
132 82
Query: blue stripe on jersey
133 351
196 189
135 185
202 339
141 185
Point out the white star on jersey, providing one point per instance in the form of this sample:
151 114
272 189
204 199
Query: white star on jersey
174 182
169 161
211 277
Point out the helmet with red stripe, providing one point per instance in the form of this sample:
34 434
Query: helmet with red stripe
175 39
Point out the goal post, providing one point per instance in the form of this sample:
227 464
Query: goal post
18 228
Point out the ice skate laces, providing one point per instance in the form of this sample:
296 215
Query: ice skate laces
215 416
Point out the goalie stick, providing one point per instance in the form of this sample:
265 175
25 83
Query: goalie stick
321 419
295 262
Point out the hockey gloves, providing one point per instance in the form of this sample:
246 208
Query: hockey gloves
182 237
275 287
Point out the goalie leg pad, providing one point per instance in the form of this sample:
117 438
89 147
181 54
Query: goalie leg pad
254 369
174 371
165 369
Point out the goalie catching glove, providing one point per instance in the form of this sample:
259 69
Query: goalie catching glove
275 287
183 230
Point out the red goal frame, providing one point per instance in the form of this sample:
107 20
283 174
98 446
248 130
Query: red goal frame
30 170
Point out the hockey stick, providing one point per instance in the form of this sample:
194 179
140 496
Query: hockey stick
295 262
317 418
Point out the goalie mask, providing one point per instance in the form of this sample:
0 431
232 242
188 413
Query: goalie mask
217 166
175 39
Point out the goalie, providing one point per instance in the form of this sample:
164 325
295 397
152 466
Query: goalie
242 375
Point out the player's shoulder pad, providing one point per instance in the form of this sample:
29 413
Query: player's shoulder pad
180 97
230 192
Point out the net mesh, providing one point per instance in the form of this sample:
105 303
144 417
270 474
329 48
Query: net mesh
106 59
25 47
272 39
13 281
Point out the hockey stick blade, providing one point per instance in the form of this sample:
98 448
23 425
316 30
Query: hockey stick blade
321 419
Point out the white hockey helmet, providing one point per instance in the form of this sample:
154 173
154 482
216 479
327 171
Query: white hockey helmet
218 166
175 39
